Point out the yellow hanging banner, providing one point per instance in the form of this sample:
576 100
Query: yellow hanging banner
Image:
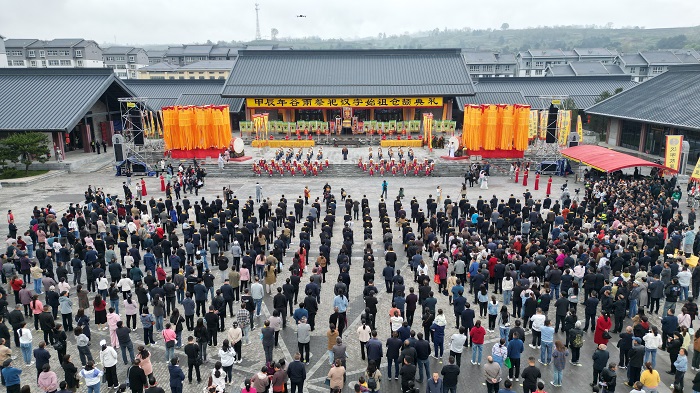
673 151
696 172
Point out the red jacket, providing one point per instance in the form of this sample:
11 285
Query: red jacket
477 334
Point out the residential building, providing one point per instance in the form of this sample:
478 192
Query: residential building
489 64
583 68
125 60
57 53
648 64
534 62
3 54
187 54
155 56
583 91
208 69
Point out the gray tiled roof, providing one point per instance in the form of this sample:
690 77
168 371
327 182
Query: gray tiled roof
155 53
235 104
583 68
348 73
583 90
175 51
669 99
19 42
63 42
472 57
561 70
159 67
492 98
634 59
579 85
197 50
595 52
53 99
117 50
210 65
166 92
661 57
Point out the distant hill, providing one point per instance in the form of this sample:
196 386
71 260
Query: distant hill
511 41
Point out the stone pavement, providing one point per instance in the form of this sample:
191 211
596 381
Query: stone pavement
70 187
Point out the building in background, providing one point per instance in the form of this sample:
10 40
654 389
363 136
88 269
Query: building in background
57 53
641 117
534 62
490 64
648 64
584 68
3 54
155 56
125 60
208 69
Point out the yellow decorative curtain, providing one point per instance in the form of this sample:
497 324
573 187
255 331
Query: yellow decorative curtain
203 127
522 127
489 127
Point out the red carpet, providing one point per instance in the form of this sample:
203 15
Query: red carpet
448 158
241 159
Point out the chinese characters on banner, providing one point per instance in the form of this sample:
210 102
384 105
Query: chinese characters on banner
696 172
673 151
428 129
387 102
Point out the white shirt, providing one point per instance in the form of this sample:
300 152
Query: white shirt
25 336
102 283
396 323
125 283
537 321
363 333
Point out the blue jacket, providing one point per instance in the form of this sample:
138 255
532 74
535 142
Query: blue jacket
438 333
375 349
188 305
515 348
177 376
300 313
433 387
200 292
11 375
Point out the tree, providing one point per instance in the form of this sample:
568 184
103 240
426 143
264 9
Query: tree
675 42
25 147
505 26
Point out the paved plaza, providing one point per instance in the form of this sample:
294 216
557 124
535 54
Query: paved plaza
67 188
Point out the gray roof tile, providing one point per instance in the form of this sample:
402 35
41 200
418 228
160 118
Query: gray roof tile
235 104
669 99
166 92
347 73
19 42
53 99
210 65
486 98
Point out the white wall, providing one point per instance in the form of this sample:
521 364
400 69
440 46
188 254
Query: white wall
614 131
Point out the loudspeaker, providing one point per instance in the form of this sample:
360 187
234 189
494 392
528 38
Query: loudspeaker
118 152
552 124
572 143
138 137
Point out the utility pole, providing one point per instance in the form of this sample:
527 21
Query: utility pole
257 22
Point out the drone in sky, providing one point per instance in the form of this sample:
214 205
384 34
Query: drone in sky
301 16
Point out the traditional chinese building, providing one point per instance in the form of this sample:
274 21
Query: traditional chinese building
370 85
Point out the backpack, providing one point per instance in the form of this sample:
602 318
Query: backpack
577 342
372 382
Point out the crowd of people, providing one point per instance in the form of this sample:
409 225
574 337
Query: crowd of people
184 274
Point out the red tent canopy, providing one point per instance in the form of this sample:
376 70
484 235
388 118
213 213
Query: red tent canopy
606 160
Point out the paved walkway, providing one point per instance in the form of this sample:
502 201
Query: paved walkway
61 190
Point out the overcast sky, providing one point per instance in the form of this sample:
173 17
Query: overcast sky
180 21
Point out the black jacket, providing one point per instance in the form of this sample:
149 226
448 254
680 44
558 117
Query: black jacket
192 352
296 371
137 379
